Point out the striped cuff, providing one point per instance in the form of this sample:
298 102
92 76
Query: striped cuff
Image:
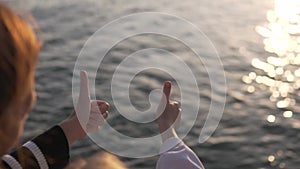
11 161
39 156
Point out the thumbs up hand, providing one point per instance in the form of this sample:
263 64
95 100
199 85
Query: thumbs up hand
90 112
169 113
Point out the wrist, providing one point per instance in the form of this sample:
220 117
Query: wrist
168 133
163 125
72 129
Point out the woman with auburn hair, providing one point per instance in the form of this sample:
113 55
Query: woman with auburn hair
19 51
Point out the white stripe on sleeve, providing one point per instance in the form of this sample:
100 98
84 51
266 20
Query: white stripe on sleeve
39 156
11 161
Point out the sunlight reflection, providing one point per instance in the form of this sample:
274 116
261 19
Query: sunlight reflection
271 118
251 89
287 114
271 158
280 71
282 165
277 159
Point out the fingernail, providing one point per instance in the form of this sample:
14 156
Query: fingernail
168 84
82 72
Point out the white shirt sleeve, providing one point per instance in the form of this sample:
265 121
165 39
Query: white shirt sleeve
176 155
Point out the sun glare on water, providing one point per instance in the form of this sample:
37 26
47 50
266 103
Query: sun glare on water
280 71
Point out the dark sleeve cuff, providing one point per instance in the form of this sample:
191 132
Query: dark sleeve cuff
48 150
55 147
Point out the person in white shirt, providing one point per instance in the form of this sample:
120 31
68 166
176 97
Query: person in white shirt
174 153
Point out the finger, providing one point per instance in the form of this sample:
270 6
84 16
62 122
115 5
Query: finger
165 98
94 106
95 122
105 115
92 128
104 106
84 86
175 103
167 89
99 106
96 115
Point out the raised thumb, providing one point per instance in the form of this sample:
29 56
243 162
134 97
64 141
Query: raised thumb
167 90
83 106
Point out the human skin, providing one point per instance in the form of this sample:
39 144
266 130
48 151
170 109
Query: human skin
71 125
18 56
168 119
95 111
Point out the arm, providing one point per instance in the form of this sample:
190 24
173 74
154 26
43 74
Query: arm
48 150
174 153
51 149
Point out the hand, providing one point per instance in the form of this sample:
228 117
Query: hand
87 110
169 113
90 113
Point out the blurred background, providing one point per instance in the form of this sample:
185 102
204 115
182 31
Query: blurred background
258 43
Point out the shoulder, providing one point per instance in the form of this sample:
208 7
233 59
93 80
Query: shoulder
180 156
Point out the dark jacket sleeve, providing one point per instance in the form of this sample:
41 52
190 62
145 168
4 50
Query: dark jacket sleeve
49 150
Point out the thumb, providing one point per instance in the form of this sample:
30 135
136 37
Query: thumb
167 90
84 86
84 104
165 97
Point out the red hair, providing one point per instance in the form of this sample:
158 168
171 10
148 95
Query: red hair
19 50
18 54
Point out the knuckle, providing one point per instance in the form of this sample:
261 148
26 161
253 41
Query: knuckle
107 105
